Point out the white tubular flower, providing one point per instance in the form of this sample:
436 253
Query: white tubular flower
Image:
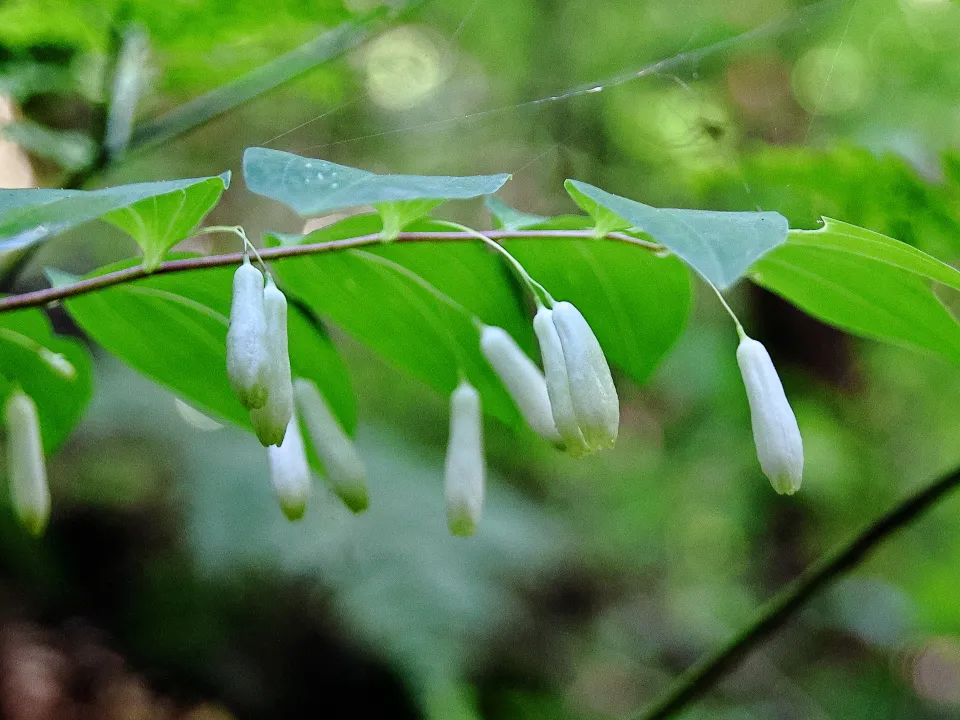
342 462
464 468
29 491
290 473
584 401
247 355
522 378
775 430
270 422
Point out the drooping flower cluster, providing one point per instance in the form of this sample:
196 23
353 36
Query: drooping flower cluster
574 405
583 398
258 365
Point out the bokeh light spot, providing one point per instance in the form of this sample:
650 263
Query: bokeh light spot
829 80
404 67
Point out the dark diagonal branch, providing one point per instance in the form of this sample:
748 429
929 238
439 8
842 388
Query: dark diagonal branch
702 677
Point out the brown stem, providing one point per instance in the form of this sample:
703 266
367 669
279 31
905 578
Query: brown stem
118 277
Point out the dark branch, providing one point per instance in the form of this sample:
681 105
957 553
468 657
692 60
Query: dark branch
701 678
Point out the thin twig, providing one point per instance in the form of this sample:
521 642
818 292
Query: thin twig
39 298
699 679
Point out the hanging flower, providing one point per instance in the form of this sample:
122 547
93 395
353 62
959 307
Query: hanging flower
775 430
522 378
29 492
341 461
247 355
583 399
270 422
464 470
289 472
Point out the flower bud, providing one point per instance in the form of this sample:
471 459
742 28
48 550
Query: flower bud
290 473
339 455
270 422
247 356
775 430
585 406
464 468
523 380
59 364
29 492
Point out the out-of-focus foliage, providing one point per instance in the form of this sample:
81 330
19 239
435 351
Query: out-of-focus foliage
586 597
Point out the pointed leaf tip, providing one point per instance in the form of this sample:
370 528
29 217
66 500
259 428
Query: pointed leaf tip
719 245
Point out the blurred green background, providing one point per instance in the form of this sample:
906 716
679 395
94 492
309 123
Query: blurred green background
169 584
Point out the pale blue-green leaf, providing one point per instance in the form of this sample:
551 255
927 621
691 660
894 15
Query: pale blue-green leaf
26 338
173 329
311 186
719 245
49 212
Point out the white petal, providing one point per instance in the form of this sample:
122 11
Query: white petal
290 473
247 358
29 491
341 461
270 422
775 430
594 396
523 380
558 386
464 470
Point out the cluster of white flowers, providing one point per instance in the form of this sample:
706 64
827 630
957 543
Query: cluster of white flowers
572 404
258 365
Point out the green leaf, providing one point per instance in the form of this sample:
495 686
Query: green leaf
872 246
160 222
310 186
27 343
719 245
604 220
636 302
401 316
161 213
466 272
400 213
173 329
507 218
865 283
